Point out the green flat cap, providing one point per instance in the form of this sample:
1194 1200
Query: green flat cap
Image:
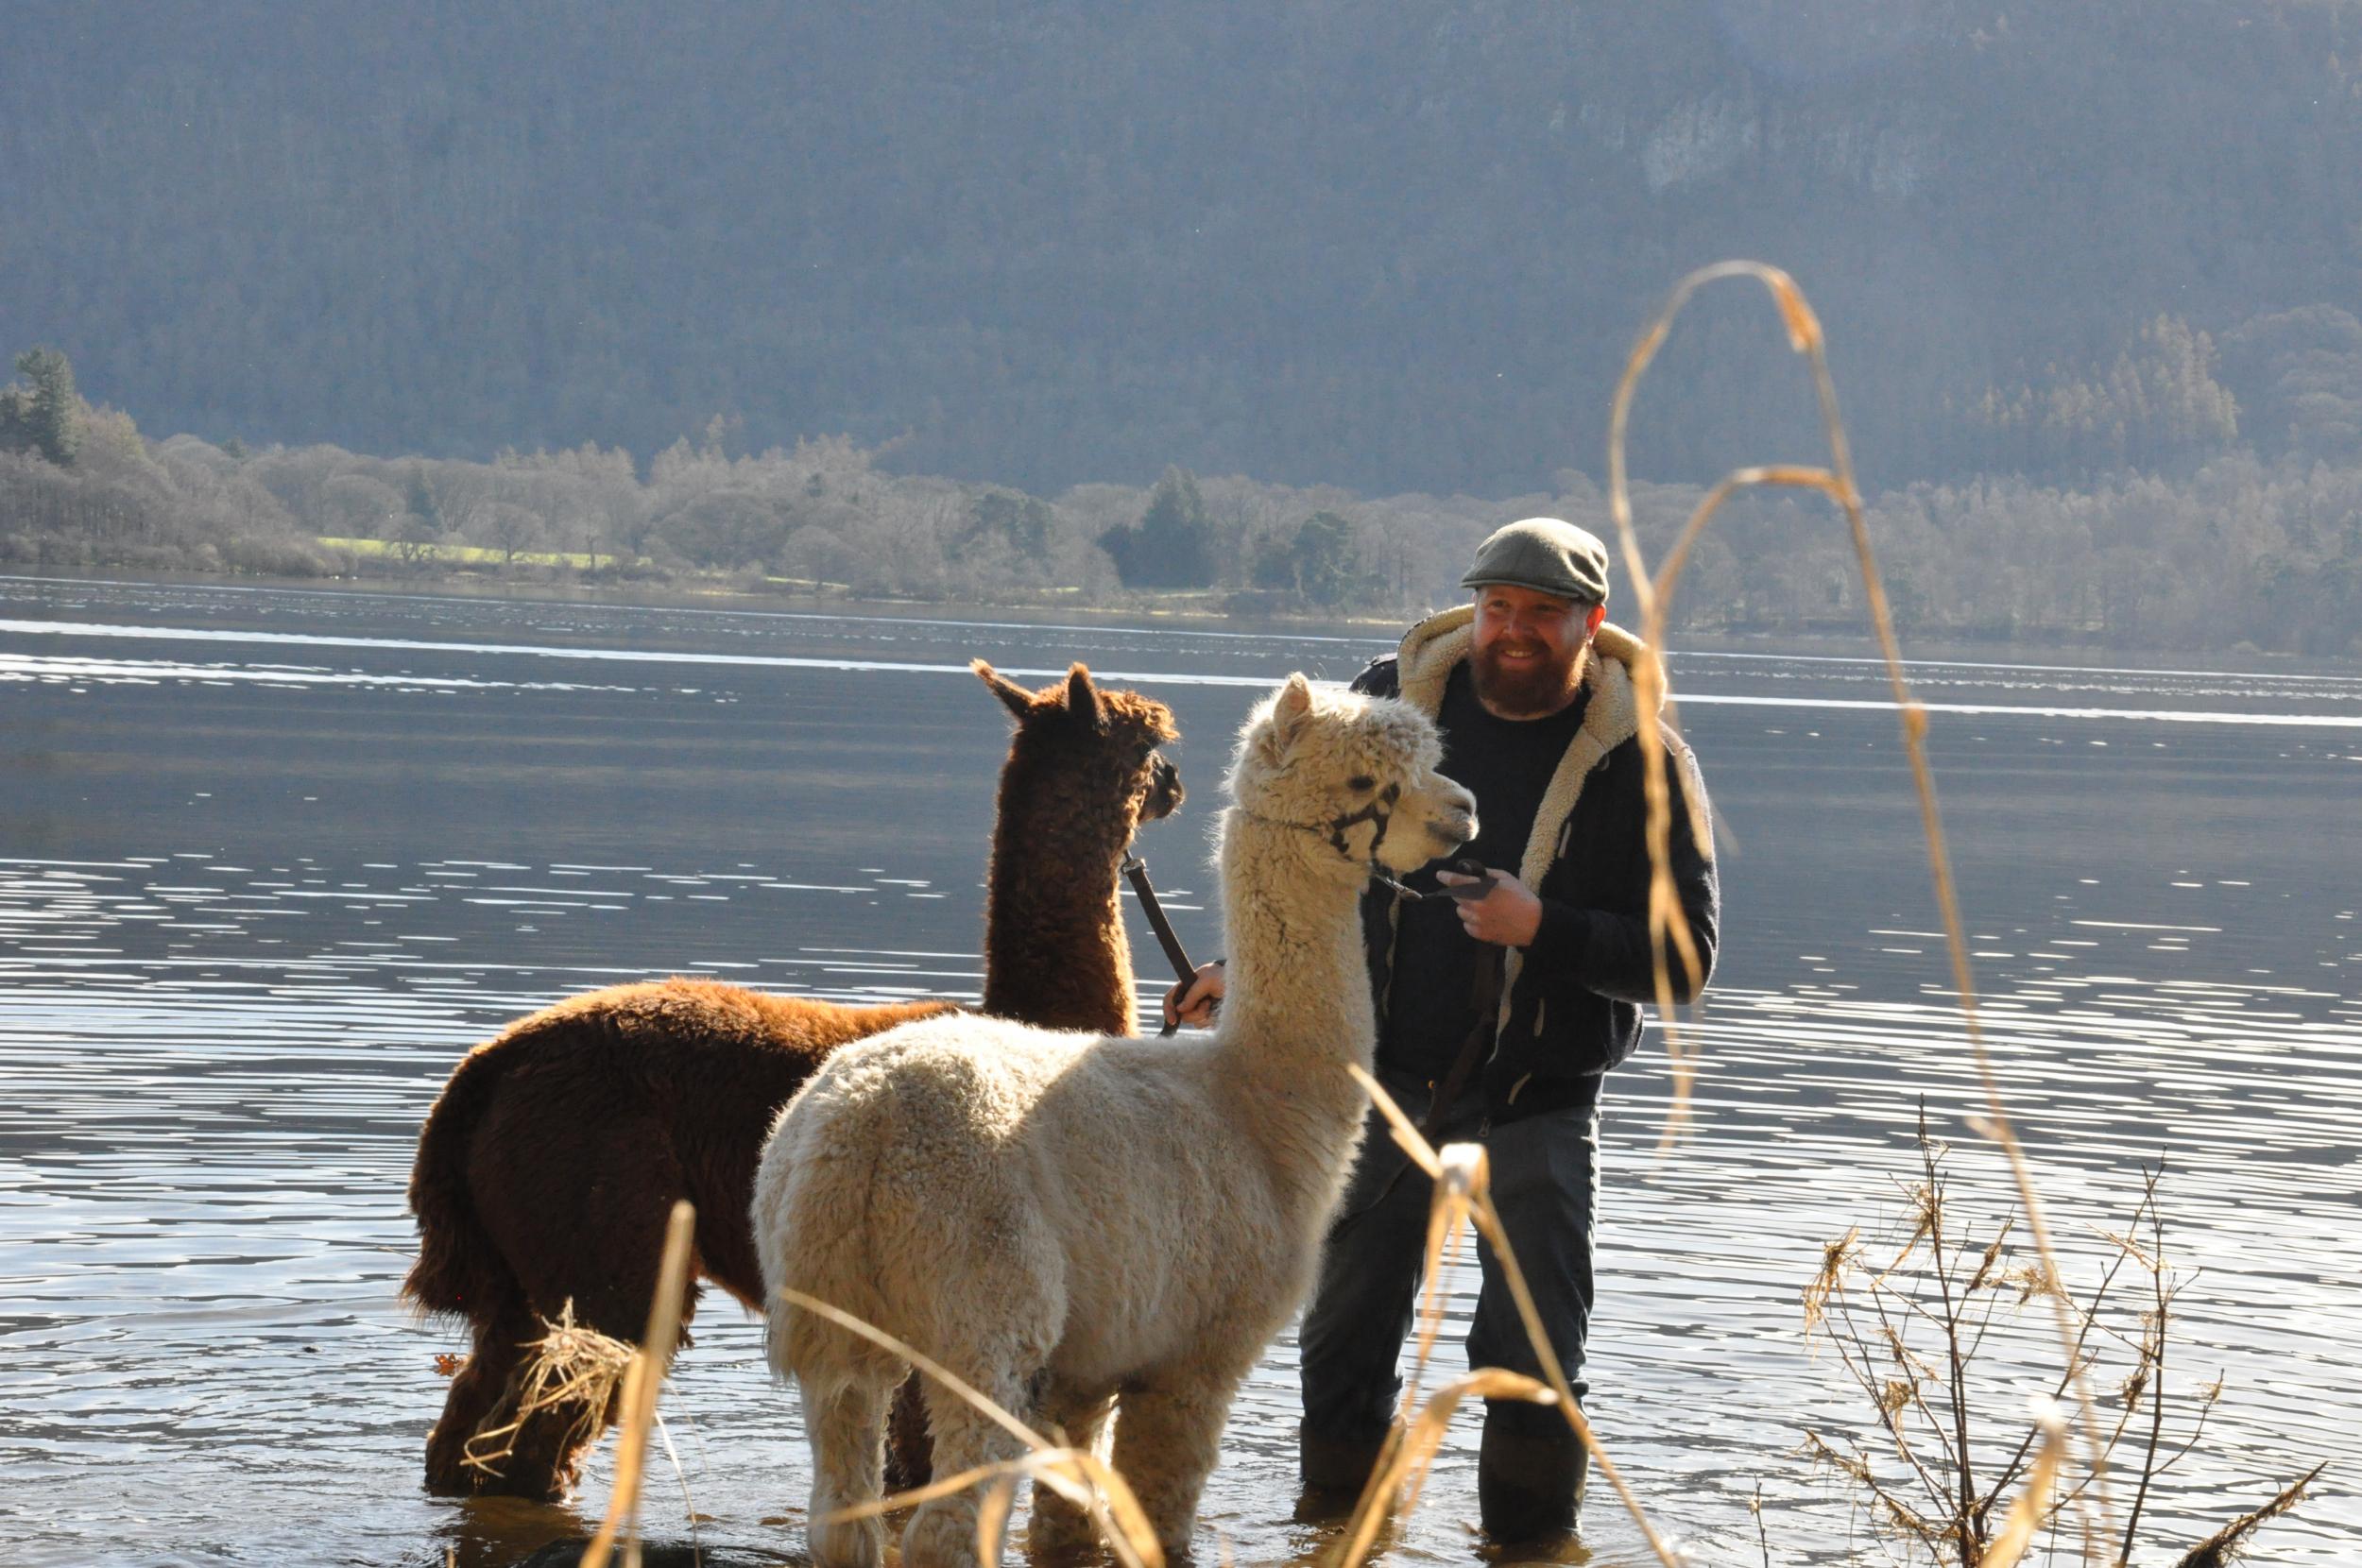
1544 555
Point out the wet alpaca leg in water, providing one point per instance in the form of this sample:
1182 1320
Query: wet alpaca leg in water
1169 1438
477 1390
942 1533
599 1247
543 1454
845 1427
1059 1529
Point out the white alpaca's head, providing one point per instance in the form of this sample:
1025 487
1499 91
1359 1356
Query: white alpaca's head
1355 774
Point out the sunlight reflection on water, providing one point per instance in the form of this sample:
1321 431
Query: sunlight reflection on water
242 941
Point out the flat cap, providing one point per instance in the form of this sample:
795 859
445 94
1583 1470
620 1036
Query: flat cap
1544 555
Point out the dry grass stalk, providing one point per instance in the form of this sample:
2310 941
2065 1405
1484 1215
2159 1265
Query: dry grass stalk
1669 929
642 1382
2224 1547
1460 1192
2032 1506
571 1365
1085 1479
1411 1448
1943 1285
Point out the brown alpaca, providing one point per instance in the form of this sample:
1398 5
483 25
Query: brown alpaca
1055 952
547 1167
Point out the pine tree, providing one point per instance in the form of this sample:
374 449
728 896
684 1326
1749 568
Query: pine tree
46 416
1172 544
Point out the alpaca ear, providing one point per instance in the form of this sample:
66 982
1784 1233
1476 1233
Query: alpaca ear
1013 696
1082 701
1293 707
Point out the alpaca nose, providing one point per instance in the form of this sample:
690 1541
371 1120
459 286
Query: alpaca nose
1165 793
1458 819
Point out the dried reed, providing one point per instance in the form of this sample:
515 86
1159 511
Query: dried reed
2224 1546
570 1365
1669 929
642 1382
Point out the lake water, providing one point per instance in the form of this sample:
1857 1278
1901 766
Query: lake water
272 860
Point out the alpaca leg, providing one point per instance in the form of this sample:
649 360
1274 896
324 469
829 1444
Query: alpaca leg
476 1390
548 1451
1058 1529
942 1533
598 1244
538 1456
846 1428
541 1457
554 1444
1167 1441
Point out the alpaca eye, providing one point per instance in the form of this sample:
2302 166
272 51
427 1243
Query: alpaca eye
1360 781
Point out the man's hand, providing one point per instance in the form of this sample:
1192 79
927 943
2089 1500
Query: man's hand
1194 1004
1508 915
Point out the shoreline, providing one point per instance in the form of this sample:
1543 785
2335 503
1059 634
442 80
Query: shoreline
1175 613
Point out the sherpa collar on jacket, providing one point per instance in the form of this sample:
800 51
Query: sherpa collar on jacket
1424 665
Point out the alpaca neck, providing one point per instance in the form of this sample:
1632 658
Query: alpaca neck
1296 1003
1055 954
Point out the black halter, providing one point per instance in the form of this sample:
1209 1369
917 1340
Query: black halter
1379 811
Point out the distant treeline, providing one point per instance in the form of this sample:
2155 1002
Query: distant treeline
2238 549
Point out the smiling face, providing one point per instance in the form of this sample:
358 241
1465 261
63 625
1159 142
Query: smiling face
1527 656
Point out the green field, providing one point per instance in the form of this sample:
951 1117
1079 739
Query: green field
465 554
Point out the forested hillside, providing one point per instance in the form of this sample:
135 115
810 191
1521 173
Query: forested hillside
1397 247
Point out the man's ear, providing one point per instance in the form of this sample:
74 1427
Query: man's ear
1598 614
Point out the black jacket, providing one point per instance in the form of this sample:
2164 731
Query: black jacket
1570 1000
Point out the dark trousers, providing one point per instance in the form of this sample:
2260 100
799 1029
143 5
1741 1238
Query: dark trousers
1544 1183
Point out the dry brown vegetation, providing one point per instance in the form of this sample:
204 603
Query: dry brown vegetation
1927 1319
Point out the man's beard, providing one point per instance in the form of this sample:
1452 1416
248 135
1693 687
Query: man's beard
1525 689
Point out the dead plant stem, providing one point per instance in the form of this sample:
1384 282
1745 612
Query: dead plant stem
1957 1385
1666 921
641 1387
2156 1389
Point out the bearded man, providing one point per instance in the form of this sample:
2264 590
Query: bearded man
1502 1002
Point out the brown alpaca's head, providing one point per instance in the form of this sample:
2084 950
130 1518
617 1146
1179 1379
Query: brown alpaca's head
1087 759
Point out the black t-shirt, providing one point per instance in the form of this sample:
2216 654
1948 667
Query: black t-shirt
1507 764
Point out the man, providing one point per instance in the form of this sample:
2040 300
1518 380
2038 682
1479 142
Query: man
1501 1008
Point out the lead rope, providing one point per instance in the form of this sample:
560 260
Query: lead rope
1135 871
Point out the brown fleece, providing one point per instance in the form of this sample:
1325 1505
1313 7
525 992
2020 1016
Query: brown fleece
550 1163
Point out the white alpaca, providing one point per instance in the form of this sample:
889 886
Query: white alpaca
1057 1215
